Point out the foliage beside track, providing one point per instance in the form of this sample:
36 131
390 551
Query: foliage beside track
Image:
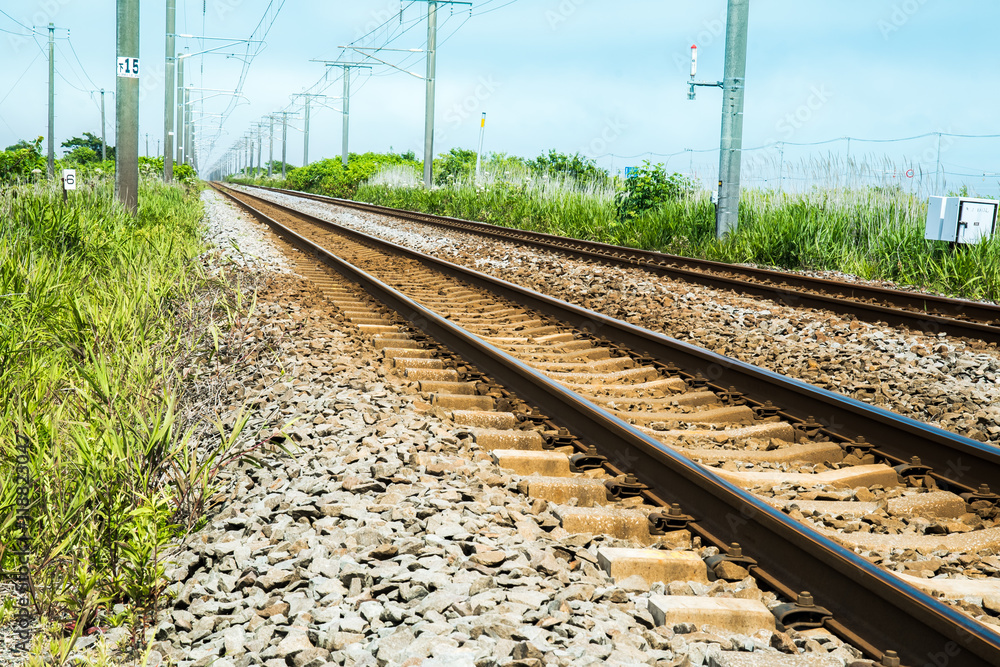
19 161
90 300
330 177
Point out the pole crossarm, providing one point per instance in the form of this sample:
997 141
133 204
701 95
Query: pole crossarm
710 84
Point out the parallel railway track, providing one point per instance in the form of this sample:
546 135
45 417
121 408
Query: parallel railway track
641 399
921 312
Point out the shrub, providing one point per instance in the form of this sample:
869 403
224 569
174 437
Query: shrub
647 188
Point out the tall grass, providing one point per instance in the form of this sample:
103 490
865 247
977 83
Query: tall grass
875 232
88 300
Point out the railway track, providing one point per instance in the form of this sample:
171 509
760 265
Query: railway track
926 313
732 459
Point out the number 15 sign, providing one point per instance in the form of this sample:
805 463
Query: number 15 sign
128 68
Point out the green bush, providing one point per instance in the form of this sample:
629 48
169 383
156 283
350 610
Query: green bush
576 166
456 165
649 187
18 161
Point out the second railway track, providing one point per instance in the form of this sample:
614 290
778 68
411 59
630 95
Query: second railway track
926 313
640 398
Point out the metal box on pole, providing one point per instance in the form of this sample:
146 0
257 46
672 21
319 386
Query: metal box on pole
965 220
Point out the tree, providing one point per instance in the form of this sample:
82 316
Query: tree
561 164
35 145
456 165
20 159
90 141
82 155
647 188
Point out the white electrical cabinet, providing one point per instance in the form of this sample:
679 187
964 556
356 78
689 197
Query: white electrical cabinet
960 219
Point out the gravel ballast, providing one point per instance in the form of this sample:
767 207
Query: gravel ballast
942 380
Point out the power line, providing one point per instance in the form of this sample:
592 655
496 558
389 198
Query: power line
11 90
82 68
28 28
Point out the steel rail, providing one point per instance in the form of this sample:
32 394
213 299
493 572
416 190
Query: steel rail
959 463
927 313
880 609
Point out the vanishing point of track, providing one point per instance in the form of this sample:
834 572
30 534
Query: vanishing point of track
873 609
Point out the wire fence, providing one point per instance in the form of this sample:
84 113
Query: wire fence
933 163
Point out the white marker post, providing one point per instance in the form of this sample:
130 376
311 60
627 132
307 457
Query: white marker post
68 182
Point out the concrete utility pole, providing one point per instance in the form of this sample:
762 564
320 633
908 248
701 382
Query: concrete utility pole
731 145
104 141
479 153
305 135
305 138
429 101
127 105
346 112
284 140
147 144
270 155
346 99
260 145
188 157
430 79
179 135
170 78
52 101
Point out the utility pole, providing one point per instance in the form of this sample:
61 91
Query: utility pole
305 136
305 139
169 75
430 80
937 171
731 145
346 114
346 99
104 142
429 101
127 105
260 145
187 126
270 155
479 153
179 136
284 140
52 101
731 142
147 144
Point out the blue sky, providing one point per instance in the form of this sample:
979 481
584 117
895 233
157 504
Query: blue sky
601 78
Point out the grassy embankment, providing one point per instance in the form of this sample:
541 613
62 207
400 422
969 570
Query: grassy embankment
91 301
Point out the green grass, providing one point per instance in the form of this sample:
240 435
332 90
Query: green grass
90 301
874 233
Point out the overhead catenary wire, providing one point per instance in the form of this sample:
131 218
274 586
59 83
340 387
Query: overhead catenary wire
26 27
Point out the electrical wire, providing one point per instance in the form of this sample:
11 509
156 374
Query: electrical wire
82 68
509 2
28 28
11 90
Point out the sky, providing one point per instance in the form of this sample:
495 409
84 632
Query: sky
605 79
